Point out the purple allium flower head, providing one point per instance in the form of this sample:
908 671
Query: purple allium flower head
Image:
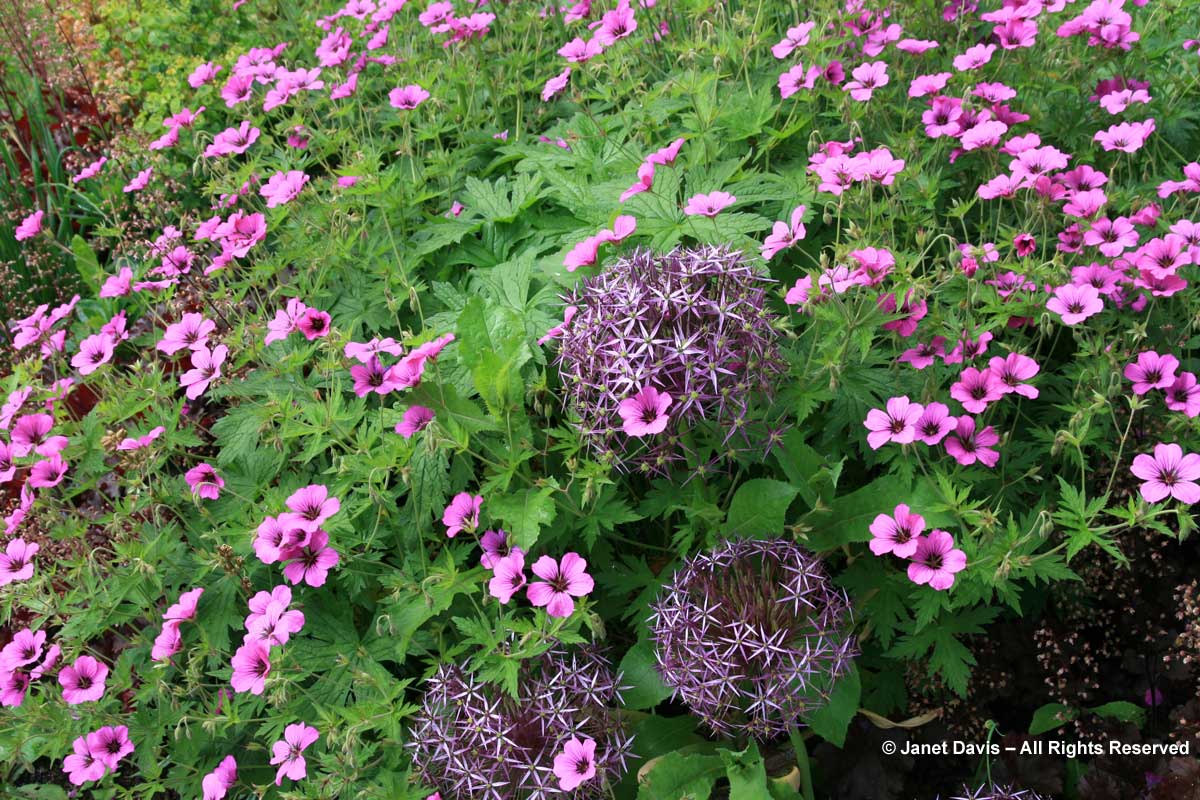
997 792
752 636
692 324
472 740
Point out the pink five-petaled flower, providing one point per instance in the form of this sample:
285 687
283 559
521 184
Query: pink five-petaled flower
204 481
94 351
645 413
1012 371
795 37
1074 303
556 84
508 576
462 513
974 57
190 332
285 321
288 752
1128 137
310 563
495 546
415 419
975 389
47 472
16 562
1168 473
897 424
83 765
558 330
313 324
896 534
282 187
251 665
708 205
408 97
139 182
783 235
110 744
30 226
24 649
561 581
310 507
576 763
83 681
867 78
936 561
1152 371
206 367
968 445
1183 395
934 423
220 780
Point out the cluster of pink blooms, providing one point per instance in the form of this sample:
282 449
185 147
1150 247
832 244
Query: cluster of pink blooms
372 377
42 328
664 157
24 660
271 623
296 538
838 167
562 581
31 445
933 559
904 422
311 322
96 753
1152 371
613 26
871 266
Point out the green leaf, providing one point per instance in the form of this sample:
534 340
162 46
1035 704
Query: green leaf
524 514
678 776
832 720
1051 716
746 772
639 671
1121 710
86 262
657 735
759 507
608 512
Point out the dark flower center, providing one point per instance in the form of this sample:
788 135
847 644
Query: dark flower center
85 681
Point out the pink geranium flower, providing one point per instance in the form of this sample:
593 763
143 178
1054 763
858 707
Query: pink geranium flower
1074 304
1168 473
288 752
975 389
191 332
206 367
415 419
616 24
644 182
16 561
924 354
1128 137
508 576
83 681
407 97
285 321
309 508
218 782
30 226
94 351
312 562
24 649
233 141
666 156
896 534
797 78
936 561
203 74
576 763
1152 371
645 413
139 182
282 187
251 666
560 583
785 234
708 205
795 37
974 57
558 330
968 445
462 513
495 546
556 84
867 78
313 324
110 744
48 472
83 765
934 423
204 481
896 424
1184 395
29 433
1012 371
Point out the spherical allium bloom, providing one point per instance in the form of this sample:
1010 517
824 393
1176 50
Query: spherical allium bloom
694 325
752 636
1168 473
473 741
996 792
